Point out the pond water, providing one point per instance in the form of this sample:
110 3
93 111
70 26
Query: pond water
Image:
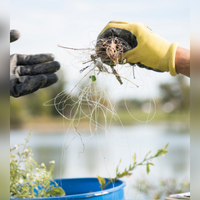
88 156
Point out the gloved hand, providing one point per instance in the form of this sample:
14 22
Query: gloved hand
28 73
147 49
14 35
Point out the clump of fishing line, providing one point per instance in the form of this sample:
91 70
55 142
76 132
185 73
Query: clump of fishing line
107 50
104 59
110 50
108 53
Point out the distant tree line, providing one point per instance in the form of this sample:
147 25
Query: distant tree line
174 97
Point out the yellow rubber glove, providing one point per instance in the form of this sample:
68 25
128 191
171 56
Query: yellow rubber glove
147 49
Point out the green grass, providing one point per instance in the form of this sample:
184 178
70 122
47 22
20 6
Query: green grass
45 122
160 116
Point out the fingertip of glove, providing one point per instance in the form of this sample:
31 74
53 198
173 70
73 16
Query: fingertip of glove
51 79
57 65
50 56
14 35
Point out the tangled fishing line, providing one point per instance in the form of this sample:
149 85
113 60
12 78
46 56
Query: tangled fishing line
109 51
86 100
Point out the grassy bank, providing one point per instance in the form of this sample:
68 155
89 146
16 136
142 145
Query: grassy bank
46 123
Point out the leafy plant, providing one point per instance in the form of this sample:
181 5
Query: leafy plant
128 172
27 178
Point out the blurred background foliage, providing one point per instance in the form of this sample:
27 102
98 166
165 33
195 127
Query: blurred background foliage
172 104
161 188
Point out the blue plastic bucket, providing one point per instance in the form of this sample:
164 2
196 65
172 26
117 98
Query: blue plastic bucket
87 188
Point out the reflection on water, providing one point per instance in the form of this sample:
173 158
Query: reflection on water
102 153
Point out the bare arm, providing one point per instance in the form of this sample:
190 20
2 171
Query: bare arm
182 61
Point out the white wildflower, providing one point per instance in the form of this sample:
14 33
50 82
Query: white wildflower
26 151
28 175
20 181
52 162
16 147
42 165
37 169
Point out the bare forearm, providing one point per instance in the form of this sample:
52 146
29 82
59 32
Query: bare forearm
182 61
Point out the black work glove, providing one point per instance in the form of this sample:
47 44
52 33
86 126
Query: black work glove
28 73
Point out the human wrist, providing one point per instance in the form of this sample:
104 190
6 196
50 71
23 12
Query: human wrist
182 61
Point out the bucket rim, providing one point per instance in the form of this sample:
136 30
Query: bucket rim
83 195
93 194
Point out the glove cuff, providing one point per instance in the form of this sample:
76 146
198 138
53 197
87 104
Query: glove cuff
172 54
